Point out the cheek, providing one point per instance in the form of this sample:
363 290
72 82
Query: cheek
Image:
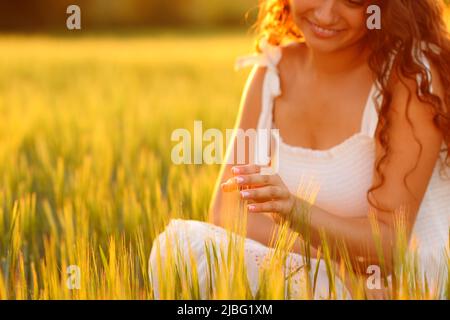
358 22
301 6
300 9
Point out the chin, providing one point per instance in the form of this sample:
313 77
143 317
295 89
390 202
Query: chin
326 43
330 45
325 46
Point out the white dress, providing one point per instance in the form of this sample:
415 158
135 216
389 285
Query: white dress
341 175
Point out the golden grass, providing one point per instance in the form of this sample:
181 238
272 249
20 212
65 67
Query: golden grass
85 170
85 154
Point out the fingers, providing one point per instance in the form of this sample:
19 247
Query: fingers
246 169
278 206
242 182
248 177
229 185
254 180
234 184
265 194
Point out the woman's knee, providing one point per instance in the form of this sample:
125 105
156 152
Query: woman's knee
179 238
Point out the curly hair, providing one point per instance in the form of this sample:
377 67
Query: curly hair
405 23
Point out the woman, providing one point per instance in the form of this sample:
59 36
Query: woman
364 113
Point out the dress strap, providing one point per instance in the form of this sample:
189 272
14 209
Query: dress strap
370 115
270 58
424 60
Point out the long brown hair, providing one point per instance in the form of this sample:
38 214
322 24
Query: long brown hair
404 24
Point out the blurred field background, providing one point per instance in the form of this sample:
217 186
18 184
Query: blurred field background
87 116
85 172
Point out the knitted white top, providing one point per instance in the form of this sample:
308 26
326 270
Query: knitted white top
342 175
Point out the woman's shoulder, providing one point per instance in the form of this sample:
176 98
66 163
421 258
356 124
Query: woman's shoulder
401 85
291 53
293 48
290 65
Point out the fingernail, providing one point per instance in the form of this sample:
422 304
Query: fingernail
245 194
235 170
239 179
251 207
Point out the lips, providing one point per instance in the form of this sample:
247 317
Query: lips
323 32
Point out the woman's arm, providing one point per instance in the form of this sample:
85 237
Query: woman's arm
223 207
405 159
413 153
224 210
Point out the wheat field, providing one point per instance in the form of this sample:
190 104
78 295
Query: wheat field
86 177
85 169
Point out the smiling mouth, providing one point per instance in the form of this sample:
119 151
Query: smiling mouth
323 32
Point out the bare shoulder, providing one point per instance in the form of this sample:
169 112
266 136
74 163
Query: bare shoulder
291 57
293 50
414 145
406 102
251 99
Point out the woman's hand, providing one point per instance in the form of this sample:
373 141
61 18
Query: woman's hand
264 193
